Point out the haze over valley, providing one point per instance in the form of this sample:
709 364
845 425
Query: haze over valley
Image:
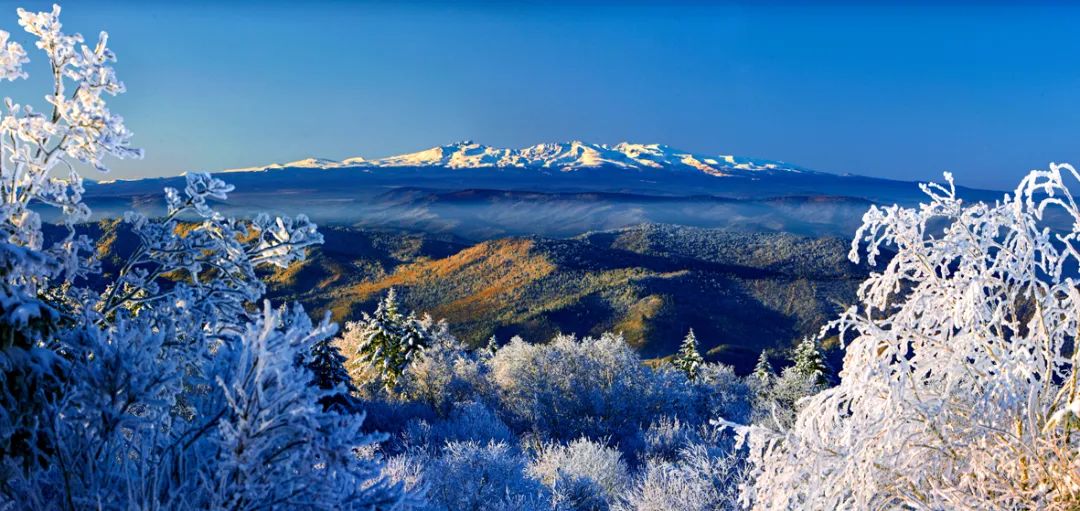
580 238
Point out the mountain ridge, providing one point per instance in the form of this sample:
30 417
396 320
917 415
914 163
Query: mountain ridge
481 192
559 156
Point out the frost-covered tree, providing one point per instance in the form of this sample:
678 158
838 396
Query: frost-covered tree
763 370
388 340
808 361
491 348
688 359
445 375
959 388
592 387
327 366
168 387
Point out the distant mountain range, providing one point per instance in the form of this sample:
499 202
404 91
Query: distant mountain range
562 156
481 192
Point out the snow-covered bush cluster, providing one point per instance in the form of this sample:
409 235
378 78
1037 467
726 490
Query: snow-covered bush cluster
568 424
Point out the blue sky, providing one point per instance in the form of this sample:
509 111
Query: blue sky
986 90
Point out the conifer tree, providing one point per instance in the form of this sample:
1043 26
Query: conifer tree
327 366
389 339
689 360
763 370
491 348
809 361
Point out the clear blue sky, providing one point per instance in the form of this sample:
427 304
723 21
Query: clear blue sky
986 90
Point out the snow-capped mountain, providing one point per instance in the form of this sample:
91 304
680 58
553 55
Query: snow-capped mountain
560 189
562 156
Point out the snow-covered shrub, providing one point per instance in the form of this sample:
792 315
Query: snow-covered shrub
168 387
394 417
667 437
777 400
569 388
583 475
407 471
467 421
721 393
699 479
476 476
444 376
959 388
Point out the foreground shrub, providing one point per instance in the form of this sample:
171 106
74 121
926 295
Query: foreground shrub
469 421
959 388
698 479
569 388
168 387
476 476
583 475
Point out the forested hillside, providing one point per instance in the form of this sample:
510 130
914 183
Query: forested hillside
740 292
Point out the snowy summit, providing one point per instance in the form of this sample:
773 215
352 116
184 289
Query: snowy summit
560 156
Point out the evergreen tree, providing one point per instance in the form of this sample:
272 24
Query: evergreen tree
763 371
327 364
689 360
809 361
491 348
389 339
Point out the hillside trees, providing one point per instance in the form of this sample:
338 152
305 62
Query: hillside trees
959 388
168 387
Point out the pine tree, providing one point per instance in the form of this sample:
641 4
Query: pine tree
689 360
491 348
390 339
763 371
809 361
327 365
